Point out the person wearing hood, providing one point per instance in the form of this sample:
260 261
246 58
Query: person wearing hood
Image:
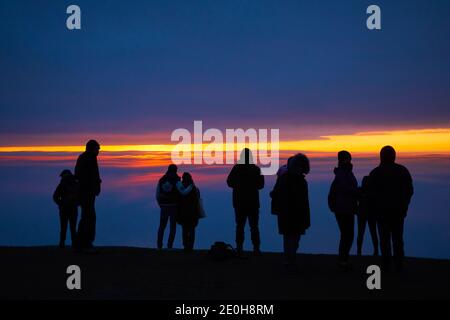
390 192
291 200
246 180
66 197
168 194
189 212
343 202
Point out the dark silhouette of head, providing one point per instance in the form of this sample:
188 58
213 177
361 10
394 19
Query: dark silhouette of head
344 158
246 156
187 179
65 173
93 147
299 164
172 169
387 155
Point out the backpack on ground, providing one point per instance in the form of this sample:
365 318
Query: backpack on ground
221 251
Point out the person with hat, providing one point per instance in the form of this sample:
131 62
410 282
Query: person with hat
66 197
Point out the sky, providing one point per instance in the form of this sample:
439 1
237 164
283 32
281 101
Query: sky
137 70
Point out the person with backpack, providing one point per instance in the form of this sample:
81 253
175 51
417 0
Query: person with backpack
343 202
66 197
189 212
290 203
246 180
168 193
366 216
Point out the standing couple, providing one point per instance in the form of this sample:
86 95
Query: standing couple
79 189
179 200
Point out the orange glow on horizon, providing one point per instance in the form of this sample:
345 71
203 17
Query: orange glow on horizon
408 141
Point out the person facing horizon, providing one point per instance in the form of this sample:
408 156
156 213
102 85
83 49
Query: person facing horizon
343 202
390 192
366 216
189 212
66 197
88 176
168 193
246 180
290 203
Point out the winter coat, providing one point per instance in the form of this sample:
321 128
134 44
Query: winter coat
66 194
343 195
87 173
246 181
390 190
188 215
291 202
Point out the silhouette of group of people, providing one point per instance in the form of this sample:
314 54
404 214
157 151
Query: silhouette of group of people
381 201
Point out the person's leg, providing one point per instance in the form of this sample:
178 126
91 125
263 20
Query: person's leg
253 220
192 237
173 226
185 236
63 220
346 227
361 230
85 225
73 224
385 242
163 219
92 221
397 241
373 234
290 242
241 219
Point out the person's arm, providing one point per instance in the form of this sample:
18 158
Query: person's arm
57 195
260 180
408 186
158 190
181 189
332 196
231 180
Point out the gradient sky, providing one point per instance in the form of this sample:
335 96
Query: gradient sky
147 67
140 69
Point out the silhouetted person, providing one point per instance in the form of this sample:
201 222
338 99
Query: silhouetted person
88 176
246 180
390 192
343 201
366 216
290 202
66 197
189 212
168 193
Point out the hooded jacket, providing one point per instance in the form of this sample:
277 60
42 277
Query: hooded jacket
343 195
290 202
246 180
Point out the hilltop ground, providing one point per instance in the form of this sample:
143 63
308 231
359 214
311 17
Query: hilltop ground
137 273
